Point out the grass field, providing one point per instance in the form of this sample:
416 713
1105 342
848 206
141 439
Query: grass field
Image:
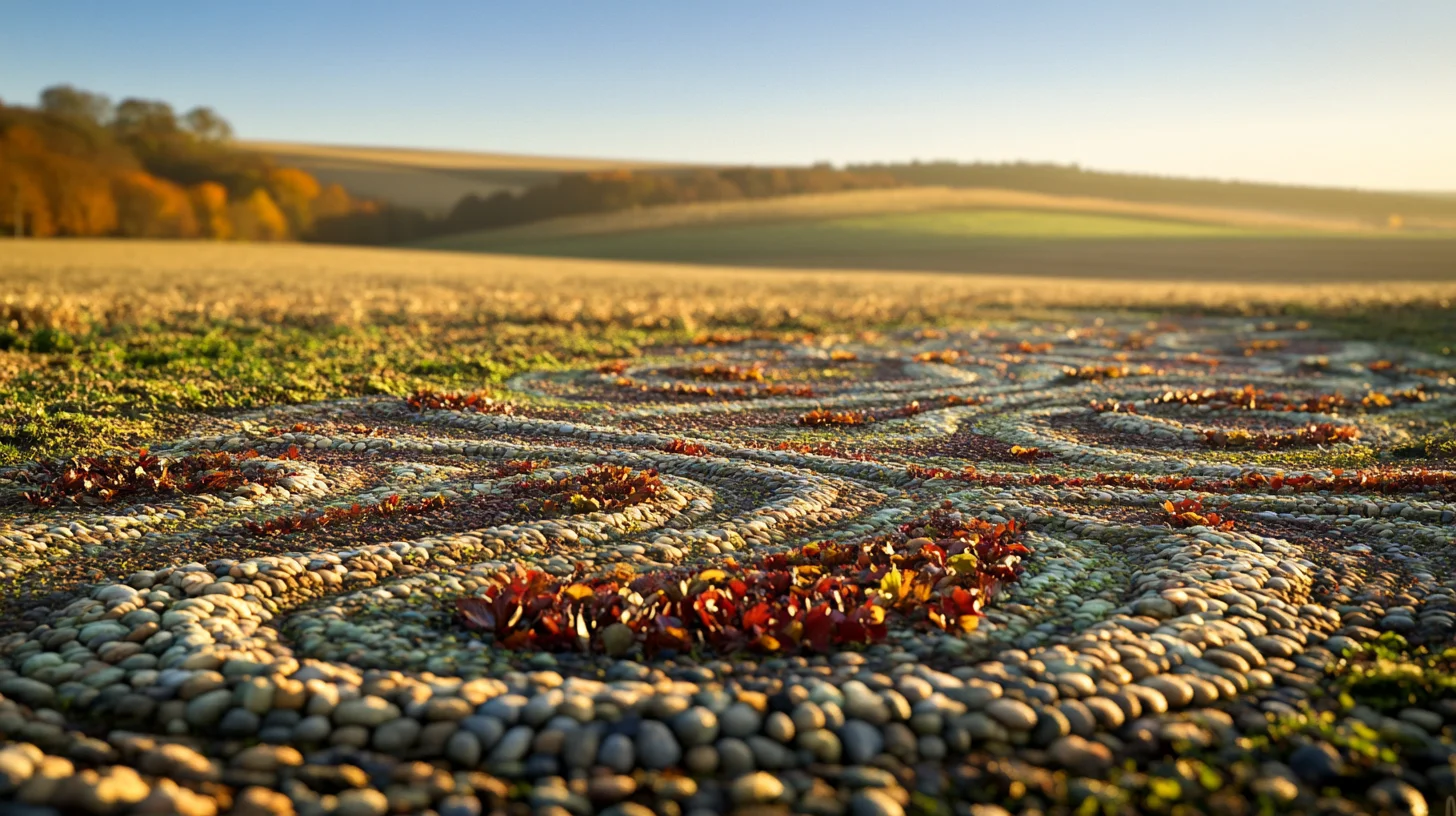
431 180
1097 240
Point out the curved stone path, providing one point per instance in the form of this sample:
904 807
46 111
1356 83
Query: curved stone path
167 656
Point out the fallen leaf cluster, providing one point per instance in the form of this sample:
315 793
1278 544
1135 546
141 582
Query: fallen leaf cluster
938 572
1190 513
477 402
1097 373
95 480
1026 347
686 448
1026 453
824 449
311 520
922 472
723 373
820 417
599 488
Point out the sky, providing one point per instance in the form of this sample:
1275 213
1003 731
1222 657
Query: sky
1327 92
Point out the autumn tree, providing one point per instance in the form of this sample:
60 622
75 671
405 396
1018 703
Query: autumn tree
294 191
82 202
147 118
24 208
73 103
257 218
149 207
332 202
204 124
210 203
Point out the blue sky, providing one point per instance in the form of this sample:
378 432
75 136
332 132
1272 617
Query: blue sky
1329 92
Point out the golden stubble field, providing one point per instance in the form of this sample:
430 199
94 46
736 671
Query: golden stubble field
79 283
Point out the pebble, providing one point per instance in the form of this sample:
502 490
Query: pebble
1013 714
874 802
361 802
756 789
861 741
656 747
1317 763
1081 756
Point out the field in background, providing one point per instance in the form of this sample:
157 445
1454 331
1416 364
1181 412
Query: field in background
979 232
897 201
77 284
431 180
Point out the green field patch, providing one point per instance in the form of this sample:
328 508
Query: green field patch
1008 242
1035 224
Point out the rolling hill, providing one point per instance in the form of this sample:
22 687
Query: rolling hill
430 180
994 232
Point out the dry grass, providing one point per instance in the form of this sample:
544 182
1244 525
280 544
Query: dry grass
906 200
79 284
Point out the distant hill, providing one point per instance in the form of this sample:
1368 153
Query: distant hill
903 200
432 180
1415 210
979 231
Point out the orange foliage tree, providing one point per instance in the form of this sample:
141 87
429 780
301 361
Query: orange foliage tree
78 166
294 191
257 218
209 202
148 207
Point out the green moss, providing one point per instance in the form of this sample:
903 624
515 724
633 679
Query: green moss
1389 675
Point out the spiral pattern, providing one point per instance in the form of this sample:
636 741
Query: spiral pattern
184 653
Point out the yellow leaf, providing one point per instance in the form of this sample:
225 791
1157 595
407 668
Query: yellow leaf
578 592
962 563
892 583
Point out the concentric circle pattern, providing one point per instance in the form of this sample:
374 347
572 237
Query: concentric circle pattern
1213 515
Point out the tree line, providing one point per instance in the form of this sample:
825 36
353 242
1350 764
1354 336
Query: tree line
598 192
78 165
